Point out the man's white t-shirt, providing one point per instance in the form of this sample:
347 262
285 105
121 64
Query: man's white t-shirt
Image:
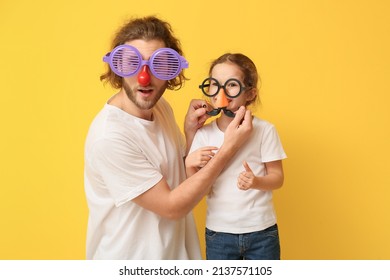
124 157
230 209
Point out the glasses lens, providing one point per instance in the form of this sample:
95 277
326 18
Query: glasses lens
125 61
210 87
233 87
165 64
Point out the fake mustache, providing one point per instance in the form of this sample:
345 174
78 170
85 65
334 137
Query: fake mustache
227 112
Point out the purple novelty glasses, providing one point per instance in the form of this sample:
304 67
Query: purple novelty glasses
164 64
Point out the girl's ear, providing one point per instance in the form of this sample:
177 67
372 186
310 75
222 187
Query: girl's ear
251 95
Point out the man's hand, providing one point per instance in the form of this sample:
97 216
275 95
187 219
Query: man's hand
239 130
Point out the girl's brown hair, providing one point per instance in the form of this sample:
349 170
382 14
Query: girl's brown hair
248 68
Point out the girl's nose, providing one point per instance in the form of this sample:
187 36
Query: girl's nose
144 76
221 100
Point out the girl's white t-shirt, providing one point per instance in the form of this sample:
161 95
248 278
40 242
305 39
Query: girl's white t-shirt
230 209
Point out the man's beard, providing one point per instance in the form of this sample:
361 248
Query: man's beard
142 104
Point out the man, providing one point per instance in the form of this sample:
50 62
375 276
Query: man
139 201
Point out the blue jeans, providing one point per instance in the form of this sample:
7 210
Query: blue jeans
259 245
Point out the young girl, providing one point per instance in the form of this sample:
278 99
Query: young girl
241 221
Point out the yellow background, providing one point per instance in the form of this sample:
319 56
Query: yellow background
325 72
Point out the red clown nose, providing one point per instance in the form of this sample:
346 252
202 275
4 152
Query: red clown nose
143 76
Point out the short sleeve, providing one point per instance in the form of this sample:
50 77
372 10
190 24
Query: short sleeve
119 164
271 148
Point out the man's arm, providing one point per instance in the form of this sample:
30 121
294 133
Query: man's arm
176 203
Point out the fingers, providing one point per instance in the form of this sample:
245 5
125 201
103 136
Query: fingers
199 112
246 166
197 103
196 114
207 152
209 148
242 185
242 123
247 121
204 155
240 113
207 106
245 179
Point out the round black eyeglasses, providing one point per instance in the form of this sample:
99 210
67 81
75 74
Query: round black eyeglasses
232 87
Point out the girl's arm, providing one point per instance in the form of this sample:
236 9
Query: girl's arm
273 179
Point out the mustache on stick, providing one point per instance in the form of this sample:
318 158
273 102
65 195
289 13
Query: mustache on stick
215 112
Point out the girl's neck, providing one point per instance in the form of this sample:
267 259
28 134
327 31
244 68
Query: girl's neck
223 121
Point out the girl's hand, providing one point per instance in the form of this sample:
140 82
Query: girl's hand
200 157
196 116
246 179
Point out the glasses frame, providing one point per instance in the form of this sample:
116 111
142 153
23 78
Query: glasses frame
182 63
203 86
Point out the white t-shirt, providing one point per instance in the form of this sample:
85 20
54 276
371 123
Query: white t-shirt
124 157
230 209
